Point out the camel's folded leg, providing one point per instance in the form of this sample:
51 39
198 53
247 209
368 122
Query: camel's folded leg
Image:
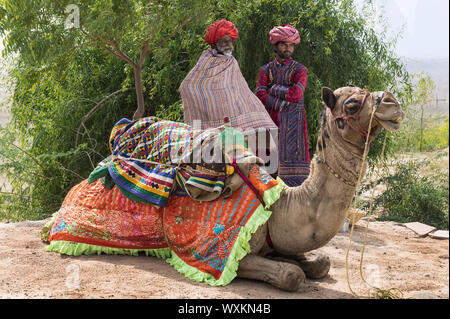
315 265
283 275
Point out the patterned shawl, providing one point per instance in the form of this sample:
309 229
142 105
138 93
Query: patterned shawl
215 88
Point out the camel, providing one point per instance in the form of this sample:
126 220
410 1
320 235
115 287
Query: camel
308 216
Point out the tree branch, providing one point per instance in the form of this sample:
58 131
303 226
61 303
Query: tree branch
122 55
101 45
111 46
29 155
172 34
144 54
95 109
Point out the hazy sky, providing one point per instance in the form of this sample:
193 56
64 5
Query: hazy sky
425 25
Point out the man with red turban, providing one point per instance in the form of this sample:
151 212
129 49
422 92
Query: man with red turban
221 36
215 89
281 86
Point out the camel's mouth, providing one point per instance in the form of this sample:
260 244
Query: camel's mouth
389 113
390 124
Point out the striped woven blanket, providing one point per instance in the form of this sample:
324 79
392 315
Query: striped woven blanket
151 158
215 88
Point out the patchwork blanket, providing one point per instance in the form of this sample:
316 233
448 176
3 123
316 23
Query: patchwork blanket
152 158
202 240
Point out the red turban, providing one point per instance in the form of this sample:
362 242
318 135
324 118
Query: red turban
285 33
219 29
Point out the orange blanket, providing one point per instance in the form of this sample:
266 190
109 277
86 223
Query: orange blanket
202 240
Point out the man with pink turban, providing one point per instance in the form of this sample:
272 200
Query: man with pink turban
281 86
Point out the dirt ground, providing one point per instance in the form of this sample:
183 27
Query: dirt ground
394 257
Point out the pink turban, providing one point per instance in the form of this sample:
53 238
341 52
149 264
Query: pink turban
285 33
219 29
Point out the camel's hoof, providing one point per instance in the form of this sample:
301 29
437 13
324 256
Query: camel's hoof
291 278
316 267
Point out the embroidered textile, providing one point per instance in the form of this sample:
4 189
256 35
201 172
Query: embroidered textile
148 155
203 240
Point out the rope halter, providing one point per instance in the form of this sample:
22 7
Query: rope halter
355 116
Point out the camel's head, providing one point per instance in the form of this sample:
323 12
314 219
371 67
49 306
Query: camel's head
349 109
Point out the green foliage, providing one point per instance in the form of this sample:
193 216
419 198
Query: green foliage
36 184
423 89
435 136
60 74
410 197
421 131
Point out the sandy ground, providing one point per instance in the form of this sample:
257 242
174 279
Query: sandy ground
395 257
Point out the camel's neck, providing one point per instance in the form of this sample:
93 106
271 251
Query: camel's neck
312 213
341 159
336 164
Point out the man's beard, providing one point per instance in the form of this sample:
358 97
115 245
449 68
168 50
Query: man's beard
227 51
284 55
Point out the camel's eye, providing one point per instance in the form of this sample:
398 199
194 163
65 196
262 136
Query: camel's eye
352 105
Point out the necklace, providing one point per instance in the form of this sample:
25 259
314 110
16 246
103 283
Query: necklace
321 160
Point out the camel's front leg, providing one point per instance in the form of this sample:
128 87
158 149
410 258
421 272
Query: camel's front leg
282 275
314 264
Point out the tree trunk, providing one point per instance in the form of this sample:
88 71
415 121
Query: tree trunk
139 93
421 128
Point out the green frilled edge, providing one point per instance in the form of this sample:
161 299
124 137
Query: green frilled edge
77 249
240 250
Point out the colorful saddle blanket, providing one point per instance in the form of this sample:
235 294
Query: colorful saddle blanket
202 240
149 155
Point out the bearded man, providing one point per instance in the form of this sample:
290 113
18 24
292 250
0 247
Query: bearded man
215 89
281 86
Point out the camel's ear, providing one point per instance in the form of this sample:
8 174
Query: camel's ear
328 97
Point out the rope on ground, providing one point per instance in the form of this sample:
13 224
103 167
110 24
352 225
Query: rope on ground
373 292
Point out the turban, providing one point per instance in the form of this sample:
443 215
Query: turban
219 29
285 33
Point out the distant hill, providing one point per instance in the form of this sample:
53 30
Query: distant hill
437 69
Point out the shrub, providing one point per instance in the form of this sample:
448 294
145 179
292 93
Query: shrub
410 197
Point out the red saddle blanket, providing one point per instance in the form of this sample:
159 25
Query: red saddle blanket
202 240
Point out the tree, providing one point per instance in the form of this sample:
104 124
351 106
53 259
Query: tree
423 95
127 29
63 75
